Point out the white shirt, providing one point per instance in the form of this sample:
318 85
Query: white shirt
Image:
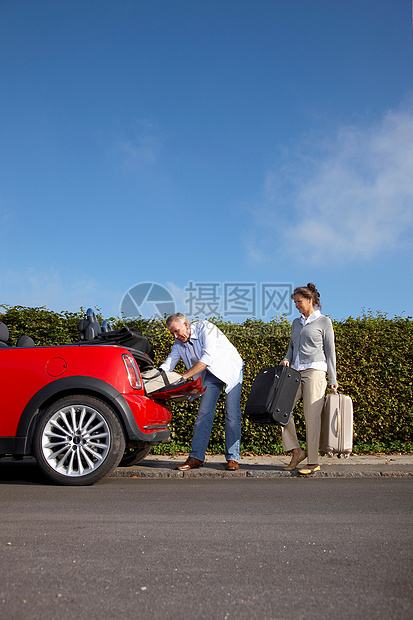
316 365
211 347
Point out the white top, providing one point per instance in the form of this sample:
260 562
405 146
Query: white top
316 365
211 347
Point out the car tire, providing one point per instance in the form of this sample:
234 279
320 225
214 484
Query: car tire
135 454
78 441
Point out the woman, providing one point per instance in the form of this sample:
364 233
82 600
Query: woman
312 352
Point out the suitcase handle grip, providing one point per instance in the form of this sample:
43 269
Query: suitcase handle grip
337 420
340 430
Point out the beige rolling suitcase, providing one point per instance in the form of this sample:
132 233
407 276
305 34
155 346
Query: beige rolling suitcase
337 426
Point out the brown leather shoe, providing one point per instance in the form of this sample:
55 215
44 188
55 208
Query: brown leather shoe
190 463
232 466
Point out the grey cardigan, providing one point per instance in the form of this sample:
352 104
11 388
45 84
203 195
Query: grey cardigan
315 342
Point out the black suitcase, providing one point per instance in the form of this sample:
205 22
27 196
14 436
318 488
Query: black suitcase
272 395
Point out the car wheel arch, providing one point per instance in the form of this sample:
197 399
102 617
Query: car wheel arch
60 388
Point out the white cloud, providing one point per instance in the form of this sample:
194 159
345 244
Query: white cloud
139 145
352 201
37 289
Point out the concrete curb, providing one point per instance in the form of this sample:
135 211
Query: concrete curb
267 466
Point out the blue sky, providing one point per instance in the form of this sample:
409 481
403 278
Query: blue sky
214 142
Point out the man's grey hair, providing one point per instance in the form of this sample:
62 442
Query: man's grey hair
178 316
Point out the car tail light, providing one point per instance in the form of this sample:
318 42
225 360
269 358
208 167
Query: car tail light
133 374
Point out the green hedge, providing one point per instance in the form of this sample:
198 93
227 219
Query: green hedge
374 366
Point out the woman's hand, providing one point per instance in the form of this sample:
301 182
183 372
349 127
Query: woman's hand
285 363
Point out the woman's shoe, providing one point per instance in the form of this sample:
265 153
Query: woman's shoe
295 461
306 471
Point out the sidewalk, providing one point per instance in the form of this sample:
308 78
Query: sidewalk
267 466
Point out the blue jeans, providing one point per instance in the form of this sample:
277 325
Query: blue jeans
206 413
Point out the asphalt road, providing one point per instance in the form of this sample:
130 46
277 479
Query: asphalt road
207 548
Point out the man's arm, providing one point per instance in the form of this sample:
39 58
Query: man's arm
195 370
172 359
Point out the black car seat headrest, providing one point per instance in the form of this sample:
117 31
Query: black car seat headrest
4 334
89 327
25 341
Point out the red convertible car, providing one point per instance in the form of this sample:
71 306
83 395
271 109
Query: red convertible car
81 409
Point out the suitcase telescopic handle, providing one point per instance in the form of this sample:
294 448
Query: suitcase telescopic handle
337 416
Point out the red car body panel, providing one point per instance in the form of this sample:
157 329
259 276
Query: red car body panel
81 409
191 389
24 372
34 377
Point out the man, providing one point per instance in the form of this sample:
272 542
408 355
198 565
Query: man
206 351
